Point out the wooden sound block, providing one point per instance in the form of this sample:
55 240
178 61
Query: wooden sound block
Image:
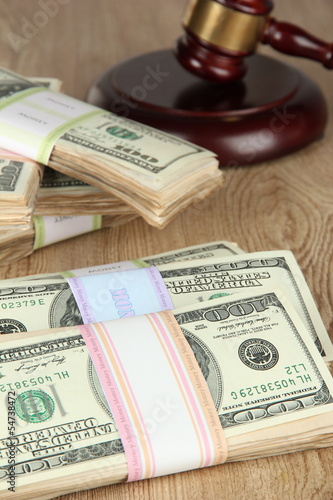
273 111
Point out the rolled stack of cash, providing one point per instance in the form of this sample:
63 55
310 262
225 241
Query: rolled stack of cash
154 173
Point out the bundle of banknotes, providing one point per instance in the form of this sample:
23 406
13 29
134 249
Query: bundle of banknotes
249 319
30 192
154 174
21 241
66 206
20 180
19 184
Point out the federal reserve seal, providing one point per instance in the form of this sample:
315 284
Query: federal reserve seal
11 326
34 406
258 354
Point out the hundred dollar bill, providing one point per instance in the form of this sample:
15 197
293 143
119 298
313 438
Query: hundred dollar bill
74 434
65 437
49 301
214 278
246 346
155 173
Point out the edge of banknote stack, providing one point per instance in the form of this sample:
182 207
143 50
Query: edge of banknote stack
20 180
60 194
31 192
19 184
156 174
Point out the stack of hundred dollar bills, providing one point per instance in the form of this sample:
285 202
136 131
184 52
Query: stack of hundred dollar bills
19 186
20 179
25 199
249 319
19 183
60 194
155 174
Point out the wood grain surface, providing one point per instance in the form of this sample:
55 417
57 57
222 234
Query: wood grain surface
283 204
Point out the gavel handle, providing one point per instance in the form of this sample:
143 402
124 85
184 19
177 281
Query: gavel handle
289 39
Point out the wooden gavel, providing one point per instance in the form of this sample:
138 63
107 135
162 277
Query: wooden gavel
227 102
219 34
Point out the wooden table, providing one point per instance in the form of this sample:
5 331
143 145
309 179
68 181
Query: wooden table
284 204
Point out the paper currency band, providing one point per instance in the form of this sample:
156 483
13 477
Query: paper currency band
32 120
222 26
121 294
124 265
157 394
49 229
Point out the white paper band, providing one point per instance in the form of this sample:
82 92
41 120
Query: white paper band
50 229
157 394
32 120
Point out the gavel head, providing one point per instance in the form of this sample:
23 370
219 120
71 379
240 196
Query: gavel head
219 34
